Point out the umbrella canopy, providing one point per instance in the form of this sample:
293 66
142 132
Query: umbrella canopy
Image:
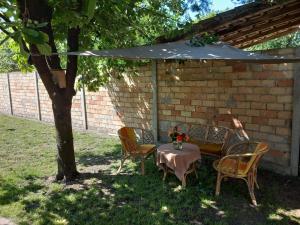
182 50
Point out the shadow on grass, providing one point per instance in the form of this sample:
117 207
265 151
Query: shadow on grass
136 199
95 158
11 192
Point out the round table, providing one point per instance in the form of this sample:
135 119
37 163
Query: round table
179 162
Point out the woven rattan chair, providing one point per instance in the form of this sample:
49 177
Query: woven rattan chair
241 161
136 143
210 139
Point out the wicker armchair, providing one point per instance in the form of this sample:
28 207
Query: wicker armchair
241 161
136 143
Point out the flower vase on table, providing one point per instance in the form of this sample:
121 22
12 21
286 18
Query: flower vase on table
177 138
179 145
179 142
173 135
174 143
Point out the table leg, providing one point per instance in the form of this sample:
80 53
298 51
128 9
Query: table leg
183 182
195 171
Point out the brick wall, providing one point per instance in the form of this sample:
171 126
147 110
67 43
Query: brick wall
45 103
258 95
189 92
122 102
23 95
4 96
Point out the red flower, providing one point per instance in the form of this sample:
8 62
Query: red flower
187 138
180 137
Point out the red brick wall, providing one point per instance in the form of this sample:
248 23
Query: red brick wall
259 95
45 103
23 94
122 102
189 92
4 97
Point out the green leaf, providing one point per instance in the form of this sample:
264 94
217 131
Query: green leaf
30 32
44 49
18 39
35 37
44 36
89 8
41 25
32 36
201 40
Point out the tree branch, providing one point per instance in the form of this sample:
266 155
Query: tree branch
6 19
4 40
24 46
39 11
72 60
6 32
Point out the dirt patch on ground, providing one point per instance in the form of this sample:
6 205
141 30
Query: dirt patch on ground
5 221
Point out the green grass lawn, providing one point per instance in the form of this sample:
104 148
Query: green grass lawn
28 194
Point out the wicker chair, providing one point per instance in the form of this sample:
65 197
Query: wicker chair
136 143
241 161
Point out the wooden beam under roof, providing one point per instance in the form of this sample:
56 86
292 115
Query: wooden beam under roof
263 33
268 13
267 37
250 23
256 30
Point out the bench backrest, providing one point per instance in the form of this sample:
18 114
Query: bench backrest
208 133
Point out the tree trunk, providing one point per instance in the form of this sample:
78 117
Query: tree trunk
64 138
61 104
61 98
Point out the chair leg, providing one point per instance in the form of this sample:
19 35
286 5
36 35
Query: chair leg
165 173
218 185
256 184
143 166
255 178
154 157
250 183
183 182
122 163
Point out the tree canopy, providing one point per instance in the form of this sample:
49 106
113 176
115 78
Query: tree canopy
103 25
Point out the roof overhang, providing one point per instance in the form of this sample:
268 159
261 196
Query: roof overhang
183 51
249 24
